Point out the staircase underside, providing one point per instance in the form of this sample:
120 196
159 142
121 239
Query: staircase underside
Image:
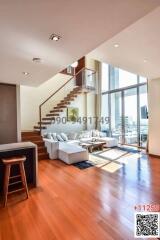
59 108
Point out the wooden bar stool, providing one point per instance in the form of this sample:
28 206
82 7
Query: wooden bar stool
9 162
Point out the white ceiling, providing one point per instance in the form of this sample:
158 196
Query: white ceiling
26 26
138 42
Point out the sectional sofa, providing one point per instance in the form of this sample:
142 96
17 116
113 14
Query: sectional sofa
66 146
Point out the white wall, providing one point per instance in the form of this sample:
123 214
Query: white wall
154 116
68 127
91 110
18 114
32 97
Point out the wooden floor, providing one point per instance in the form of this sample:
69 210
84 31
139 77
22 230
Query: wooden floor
90 204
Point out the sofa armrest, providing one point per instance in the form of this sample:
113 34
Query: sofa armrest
52 148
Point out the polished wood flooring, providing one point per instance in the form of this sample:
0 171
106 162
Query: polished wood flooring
90 204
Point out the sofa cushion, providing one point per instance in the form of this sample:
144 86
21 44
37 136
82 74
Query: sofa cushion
95 133
49 136
85 134
64 136
74 142
52 148
54 136
72 154
110 142
59 138
85 139
102 134
72 136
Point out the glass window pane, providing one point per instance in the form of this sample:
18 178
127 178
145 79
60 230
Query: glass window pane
143 116
105 77
105 114
116 115
120 78
130 117
126 78
89 79
142 79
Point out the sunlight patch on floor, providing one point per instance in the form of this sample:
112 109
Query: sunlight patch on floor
111 167
113 154
98 161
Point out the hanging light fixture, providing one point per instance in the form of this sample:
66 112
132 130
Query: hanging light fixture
75 64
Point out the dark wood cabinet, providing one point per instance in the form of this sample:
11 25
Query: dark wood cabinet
8 113
19 149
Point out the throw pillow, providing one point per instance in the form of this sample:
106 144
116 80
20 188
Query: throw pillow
44 135
64 136
102 134
72 136
95 133
60 139
85 134
54 136
49 135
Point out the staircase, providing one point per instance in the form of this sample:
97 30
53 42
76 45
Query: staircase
36 139
59 108
67 93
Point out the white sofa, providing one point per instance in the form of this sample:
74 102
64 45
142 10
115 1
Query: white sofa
110 142
70 153
54 147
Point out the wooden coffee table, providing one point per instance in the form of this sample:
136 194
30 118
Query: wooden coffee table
91 146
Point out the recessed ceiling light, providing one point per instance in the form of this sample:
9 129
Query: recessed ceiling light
145 60
54 37
116 45
25 73
37 60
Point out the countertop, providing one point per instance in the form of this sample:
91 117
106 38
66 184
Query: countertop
14 146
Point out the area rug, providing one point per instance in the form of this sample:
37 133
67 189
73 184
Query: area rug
113 154
110 159
93 161
83 165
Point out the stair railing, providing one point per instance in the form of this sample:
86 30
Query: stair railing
80 79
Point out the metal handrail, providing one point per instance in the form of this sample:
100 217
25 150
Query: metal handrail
40 106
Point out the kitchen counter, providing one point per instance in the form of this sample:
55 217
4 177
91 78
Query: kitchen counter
27 149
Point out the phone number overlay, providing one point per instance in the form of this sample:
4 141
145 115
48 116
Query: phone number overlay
81 120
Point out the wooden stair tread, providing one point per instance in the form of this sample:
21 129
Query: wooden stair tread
65 102
38 140
50 115
70 99
41 149
30 133
60 107
61 104
38 127
45 123
31 138
57 111
54 114
42 156
72 95
48 118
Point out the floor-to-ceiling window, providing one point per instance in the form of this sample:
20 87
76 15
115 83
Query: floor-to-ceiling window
143 113
130 117
116 115
124 102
